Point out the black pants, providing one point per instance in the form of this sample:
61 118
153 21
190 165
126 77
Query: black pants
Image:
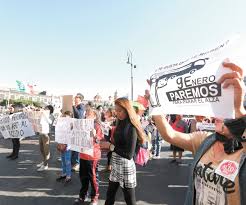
109 156
16 146
129 194
88 173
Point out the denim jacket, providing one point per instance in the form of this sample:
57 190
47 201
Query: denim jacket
207 143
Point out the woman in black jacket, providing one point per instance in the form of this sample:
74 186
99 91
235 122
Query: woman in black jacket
128 132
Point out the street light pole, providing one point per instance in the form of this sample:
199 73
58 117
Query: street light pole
129 61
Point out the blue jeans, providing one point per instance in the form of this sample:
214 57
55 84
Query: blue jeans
75 158
156 146
66 163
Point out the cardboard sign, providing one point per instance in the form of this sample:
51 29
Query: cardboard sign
67 103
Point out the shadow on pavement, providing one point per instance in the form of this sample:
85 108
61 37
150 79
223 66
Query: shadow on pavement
21 184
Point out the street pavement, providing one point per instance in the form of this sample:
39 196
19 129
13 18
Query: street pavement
159 182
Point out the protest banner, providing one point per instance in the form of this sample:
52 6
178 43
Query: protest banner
190 86
56 116
35 119
202 126
16 125
67 103
76 133
105 126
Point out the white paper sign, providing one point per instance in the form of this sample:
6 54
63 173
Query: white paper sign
16 125
76 133
202 126
189 87
35 119
105 126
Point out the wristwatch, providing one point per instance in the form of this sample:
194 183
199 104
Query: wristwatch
111 147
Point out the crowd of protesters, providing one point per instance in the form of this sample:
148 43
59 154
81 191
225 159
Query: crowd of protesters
129 129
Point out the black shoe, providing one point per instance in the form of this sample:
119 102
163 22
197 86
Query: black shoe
60 178
173 161
67 181
9 156
14 157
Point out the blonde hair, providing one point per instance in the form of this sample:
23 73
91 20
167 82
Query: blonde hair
126 104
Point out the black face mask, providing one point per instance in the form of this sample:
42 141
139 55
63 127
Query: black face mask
230 145
236 128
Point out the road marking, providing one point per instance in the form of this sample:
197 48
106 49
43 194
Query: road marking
39 189
183 165
20 177
34 194
177 186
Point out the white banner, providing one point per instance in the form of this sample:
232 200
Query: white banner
56 116
202 126
105 126
75 133
35 119
189 87
16 125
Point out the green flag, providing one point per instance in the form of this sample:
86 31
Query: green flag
21 86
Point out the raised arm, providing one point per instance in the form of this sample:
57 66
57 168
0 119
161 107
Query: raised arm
235 79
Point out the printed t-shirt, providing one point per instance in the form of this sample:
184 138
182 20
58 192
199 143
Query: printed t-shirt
214 188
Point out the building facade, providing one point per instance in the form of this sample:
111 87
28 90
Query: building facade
13 94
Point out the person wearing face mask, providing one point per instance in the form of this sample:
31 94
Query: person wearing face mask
218 173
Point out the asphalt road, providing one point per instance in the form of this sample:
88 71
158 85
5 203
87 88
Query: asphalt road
160 182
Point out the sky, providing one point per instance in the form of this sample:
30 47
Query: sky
73 46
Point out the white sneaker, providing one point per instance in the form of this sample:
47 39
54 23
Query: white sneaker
75 168
40 164
94 203
156 157
42 168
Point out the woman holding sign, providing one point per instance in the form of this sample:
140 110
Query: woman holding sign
15 141
219 170
88 170
127 132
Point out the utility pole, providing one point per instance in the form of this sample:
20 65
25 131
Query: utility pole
129 61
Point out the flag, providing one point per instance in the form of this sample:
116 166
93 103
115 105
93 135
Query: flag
138 105
21 86
142 100
31 89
